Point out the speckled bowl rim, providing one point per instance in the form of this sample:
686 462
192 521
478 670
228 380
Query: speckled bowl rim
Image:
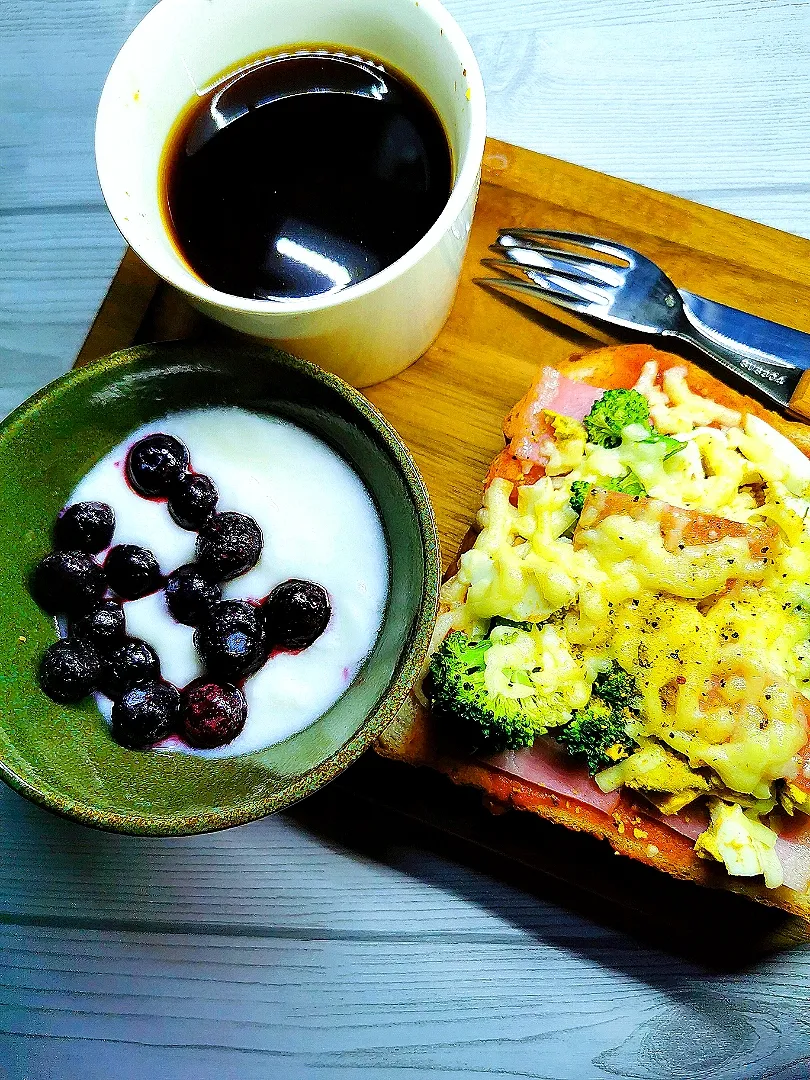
407 671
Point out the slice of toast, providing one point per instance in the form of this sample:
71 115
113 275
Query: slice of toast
631 830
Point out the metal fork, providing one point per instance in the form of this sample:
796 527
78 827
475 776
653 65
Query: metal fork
625 288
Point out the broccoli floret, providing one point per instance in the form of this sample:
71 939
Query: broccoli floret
579 493
597 732
617 409
612 413
457 690
629 484
672 445
617 687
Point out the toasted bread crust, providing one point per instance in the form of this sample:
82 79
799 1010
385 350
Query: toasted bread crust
413 737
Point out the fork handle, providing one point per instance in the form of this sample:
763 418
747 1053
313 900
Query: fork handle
800 399
769 339
773 357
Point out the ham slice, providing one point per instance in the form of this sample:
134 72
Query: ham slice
575 399
690 822
792 846
550 768
793 850
794 855
527 431
525 426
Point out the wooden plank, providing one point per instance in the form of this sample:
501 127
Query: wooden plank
54 270
733 75
407 857
123 310
730 76
341 1008
708 100
619 90
317 872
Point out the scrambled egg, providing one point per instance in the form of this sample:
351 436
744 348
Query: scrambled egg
713 629
745 845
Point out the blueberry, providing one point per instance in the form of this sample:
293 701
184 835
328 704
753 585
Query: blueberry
146 713
232 640
193 501
103 626
190 595
296 613
69 582
211 714
228 545
132 571
69 670
131 662
84 526
156 464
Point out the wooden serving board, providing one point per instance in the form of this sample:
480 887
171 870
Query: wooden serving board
448 408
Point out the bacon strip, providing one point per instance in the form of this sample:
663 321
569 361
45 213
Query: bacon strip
678 526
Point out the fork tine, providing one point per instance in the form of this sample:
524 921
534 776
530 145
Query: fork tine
514 270
569 289
508 243
543 257
502 264
567 282
581 290
512 284
592 243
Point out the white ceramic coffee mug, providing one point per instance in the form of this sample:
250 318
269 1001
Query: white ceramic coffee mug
370 330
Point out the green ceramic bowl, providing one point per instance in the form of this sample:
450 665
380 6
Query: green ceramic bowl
62 756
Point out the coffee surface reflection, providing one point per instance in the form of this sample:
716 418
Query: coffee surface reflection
304 174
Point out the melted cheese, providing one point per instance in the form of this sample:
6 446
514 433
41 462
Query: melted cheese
715 634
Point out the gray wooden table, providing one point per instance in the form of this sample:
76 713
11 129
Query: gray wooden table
322 943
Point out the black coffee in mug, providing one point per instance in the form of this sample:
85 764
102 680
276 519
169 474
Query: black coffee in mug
302 174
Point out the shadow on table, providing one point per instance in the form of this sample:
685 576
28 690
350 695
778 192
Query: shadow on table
377 806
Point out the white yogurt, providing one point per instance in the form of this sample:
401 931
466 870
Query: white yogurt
319 524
